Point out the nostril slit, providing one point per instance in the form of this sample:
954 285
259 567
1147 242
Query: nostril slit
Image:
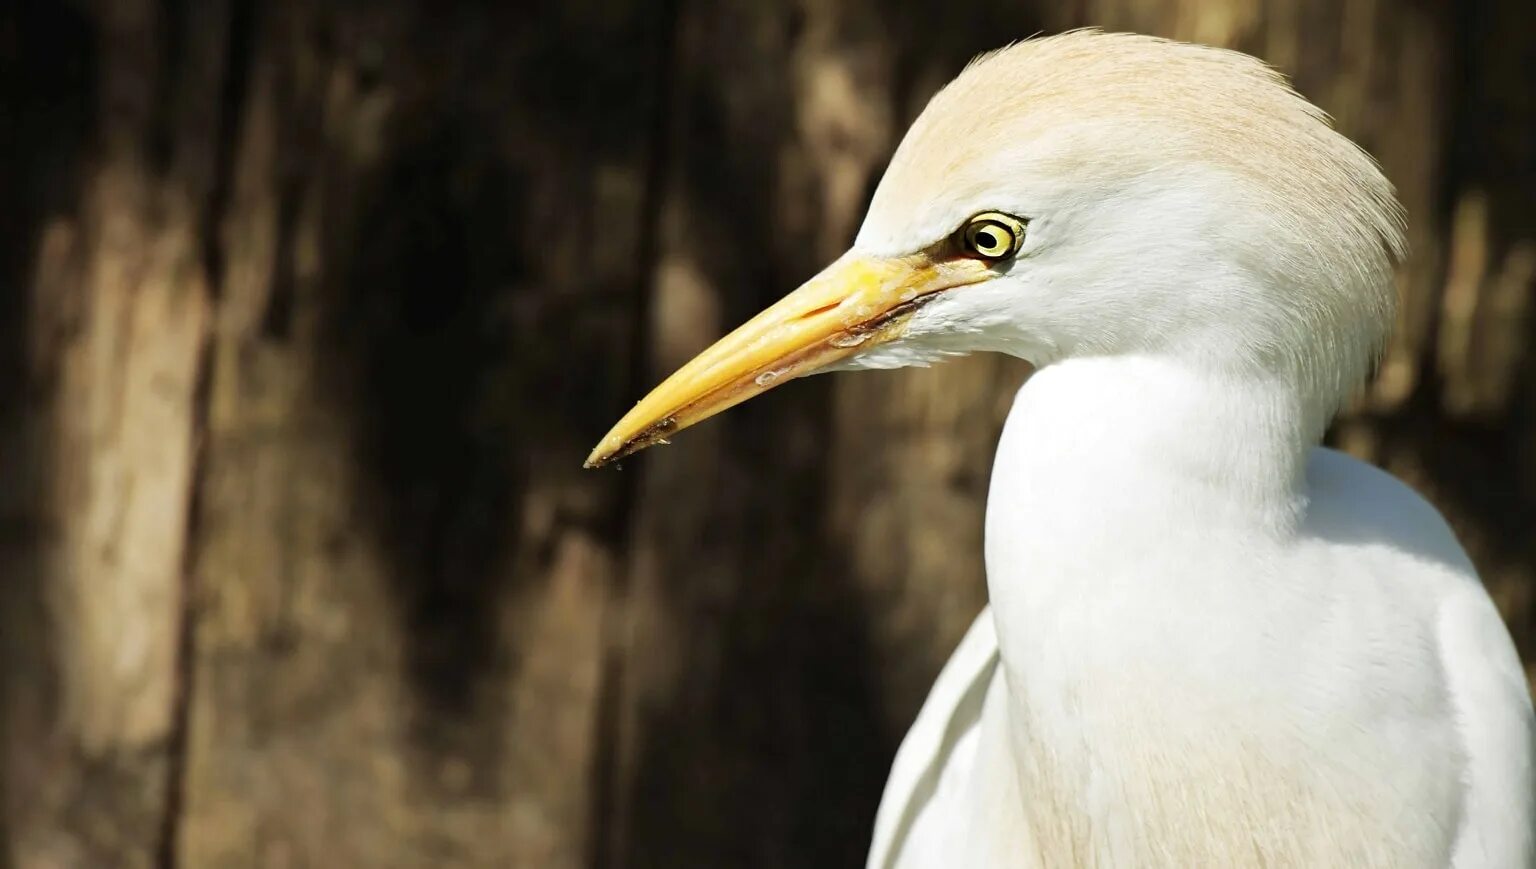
821 310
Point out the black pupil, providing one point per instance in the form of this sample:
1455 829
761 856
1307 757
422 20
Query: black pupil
987 240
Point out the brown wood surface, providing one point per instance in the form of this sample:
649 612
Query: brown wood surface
309 312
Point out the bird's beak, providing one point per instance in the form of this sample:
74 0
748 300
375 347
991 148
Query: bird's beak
855 303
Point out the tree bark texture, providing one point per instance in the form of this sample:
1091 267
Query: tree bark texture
310 312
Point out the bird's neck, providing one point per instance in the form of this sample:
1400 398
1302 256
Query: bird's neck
1129 452
1131 497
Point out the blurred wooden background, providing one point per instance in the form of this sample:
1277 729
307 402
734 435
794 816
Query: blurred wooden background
311 310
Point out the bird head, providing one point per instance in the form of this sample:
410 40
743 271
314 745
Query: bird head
1089 195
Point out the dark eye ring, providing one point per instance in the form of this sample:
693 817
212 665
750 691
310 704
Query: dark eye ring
992 235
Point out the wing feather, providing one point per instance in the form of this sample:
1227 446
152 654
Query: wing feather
1493 711
952 709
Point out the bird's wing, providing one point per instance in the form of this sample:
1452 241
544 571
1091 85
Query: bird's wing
1493 710
952 709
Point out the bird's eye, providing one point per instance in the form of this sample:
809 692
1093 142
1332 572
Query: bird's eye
992 236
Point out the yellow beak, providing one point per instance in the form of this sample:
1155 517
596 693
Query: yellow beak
853 304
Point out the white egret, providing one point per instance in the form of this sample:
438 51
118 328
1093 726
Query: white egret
1210 642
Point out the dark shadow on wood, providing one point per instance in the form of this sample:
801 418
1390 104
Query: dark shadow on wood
423 316
48 78
608 803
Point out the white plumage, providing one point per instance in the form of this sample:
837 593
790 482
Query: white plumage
1213 644
1394 706
1210 642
